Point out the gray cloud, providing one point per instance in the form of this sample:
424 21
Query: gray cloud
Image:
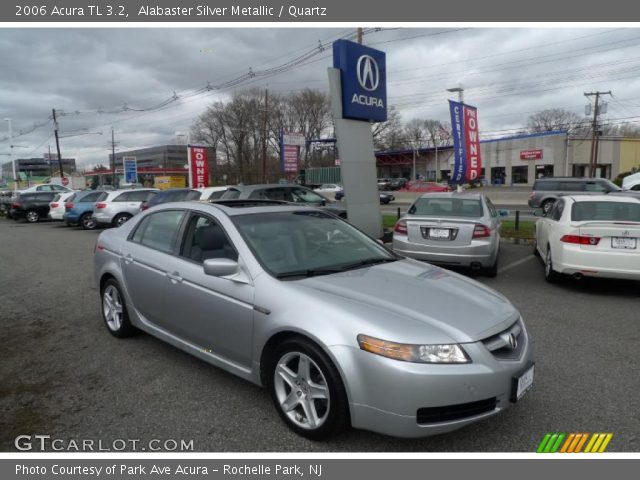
508 73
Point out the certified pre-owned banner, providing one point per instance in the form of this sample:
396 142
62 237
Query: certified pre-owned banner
198 167
466 143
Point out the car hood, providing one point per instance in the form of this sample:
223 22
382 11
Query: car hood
406 296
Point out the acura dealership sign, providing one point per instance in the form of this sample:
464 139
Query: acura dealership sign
364 81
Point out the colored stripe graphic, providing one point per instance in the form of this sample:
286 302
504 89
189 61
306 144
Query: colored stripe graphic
574 442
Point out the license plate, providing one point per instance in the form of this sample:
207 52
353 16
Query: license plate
623 242
522 384
439 232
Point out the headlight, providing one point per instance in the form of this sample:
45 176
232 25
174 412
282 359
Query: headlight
452 353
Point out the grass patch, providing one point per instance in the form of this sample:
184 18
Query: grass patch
508 229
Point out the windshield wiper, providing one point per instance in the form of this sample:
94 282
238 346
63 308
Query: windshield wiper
366 262
309 272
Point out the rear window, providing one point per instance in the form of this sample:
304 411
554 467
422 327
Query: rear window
605 211
216 195
571 186
231 194
447 207
545 185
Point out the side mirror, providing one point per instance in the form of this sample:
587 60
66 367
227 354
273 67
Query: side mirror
220 267
503 213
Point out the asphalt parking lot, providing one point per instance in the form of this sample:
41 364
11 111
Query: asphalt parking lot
63 375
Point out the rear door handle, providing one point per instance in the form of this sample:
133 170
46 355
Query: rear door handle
174 277
128 259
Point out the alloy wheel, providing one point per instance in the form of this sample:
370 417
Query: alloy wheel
302 390
32 216
112 308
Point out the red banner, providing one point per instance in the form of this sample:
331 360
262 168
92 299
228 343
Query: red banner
198 167
530 154
472 143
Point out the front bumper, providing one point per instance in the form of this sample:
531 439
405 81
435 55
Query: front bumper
385 395
482 252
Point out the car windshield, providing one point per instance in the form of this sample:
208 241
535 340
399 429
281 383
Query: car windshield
308 243
447 207
606 211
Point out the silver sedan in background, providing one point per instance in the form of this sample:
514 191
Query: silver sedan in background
341 330
453 229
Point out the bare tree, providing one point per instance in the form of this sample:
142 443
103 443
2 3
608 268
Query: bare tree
389 135
555 119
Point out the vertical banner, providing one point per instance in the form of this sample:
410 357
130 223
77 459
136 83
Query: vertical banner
472 143
290 144
466 143
198 167
130 166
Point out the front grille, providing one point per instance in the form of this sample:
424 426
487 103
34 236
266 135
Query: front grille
455 412
499 344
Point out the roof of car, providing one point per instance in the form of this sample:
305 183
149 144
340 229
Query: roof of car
265 185
470 195
241 207
604 198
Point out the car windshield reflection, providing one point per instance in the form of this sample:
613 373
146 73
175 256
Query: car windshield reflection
308 243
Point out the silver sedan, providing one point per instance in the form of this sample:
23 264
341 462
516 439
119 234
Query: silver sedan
453 228
342 331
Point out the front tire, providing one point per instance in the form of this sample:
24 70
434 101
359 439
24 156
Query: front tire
114 310
307 390
32 216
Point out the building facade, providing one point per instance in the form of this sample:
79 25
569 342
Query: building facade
520 159
38 167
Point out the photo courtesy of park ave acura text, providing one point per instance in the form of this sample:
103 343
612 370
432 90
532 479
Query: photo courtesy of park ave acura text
317 239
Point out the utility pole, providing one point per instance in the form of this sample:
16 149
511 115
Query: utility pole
264 136
55 126
50 168
593 159
13 163
113 159
359 35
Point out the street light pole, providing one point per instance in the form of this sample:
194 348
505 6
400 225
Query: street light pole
13 163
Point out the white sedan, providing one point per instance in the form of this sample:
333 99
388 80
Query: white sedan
595 235
57 206
328 188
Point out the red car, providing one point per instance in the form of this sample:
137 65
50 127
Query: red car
420 186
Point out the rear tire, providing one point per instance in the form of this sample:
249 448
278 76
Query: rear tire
546 206
114 310
32 216
86 222
492 271
549 273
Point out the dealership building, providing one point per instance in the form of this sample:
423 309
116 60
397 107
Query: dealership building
152 162
520 159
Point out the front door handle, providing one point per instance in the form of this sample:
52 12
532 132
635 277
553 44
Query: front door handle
174 277
128 259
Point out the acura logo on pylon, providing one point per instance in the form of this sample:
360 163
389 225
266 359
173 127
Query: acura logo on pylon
368 73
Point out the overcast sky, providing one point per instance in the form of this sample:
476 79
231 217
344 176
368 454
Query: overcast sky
507 73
